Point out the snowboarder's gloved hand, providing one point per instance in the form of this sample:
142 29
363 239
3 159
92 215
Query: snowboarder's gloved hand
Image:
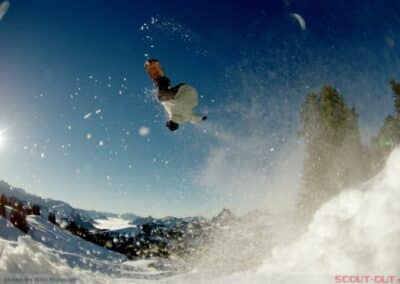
154 69
172 125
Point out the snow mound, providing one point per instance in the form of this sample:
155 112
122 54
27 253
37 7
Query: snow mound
358 231
29 257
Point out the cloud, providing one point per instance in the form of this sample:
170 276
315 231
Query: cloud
4 8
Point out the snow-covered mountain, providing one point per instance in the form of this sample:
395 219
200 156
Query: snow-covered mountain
89 218
137 237
62 209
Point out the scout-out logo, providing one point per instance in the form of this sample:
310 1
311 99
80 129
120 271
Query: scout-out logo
382 279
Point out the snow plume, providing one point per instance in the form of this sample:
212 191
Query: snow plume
4 6
257 159
251 174
255 165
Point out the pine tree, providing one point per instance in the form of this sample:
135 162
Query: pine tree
52 218
396 95
2 210
36 209
18 219
3 199
389 134
333 154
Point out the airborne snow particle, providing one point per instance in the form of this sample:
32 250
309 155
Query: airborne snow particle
101 143
144 131
4 8
88 136
42 155
300 20
86 116
389 41
98 111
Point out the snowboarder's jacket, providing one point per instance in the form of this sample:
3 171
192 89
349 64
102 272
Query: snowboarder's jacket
178 101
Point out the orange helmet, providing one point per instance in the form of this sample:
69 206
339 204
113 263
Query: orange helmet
154 69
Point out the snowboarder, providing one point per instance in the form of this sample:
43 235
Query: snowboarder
178 101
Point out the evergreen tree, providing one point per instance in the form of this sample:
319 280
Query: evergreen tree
3 199
2 210
333 154
36 209
396 96
52 218
18 219
389 134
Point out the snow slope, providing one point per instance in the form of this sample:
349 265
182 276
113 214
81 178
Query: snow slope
51 251
74 250
8 230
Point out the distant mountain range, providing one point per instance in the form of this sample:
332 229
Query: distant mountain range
62 209
133 235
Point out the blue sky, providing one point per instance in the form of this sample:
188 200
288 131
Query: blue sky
250 61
